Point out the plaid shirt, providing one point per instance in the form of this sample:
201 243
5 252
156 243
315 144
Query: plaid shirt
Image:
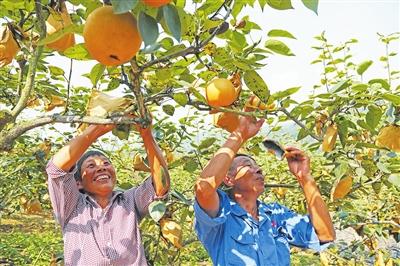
96 236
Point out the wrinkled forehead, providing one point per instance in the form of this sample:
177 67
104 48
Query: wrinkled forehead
95 158
243 160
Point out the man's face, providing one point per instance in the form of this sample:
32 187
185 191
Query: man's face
247 176
98 176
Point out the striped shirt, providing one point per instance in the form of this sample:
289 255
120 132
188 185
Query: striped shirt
96 236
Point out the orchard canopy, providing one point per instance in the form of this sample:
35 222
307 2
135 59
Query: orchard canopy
191 67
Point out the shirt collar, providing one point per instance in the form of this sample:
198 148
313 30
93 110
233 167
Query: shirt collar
116 194
263 209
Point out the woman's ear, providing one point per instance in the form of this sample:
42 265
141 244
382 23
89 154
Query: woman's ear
79 185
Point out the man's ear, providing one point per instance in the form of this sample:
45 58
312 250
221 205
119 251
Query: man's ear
228 181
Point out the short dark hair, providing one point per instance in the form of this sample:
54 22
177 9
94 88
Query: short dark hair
86 155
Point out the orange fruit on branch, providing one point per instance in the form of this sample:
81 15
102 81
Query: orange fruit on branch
220 92
156 3
255 102
56 22
112 39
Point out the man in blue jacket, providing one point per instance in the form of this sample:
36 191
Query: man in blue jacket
238 229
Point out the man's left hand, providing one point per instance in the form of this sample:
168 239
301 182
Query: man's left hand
299 163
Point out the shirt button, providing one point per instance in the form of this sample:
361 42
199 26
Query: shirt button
109 244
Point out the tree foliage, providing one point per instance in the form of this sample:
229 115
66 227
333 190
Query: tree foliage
183 49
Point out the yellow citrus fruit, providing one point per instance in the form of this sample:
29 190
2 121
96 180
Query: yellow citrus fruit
220 92
156 3
55 22
112 39
228 121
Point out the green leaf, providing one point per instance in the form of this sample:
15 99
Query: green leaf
280 33
373 116
282 94
125 185
361 68
341 85
312 5
173 22
157 210
302 134
113 84
280 4
383 82
122 131
181 98
59 34
164 74
123 6
77 52
207 143
278 47
178 195
383 168
198 95
151 48
343 129
341 169
190 165
257 85
148 28
395 99
56 71
168 109
96 73
394 179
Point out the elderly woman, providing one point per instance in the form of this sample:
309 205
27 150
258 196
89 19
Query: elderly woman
100 225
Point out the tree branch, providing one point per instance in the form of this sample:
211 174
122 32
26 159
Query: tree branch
33 62
298 122
135 76
189 50
7 138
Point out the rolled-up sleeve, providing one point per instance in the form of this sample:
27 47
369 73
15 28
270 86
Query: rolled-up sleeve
209 229
63 191
300 230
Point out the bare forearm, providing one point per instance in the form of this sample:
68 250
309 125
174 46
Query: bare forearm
318 210
157 163
68 155
217 168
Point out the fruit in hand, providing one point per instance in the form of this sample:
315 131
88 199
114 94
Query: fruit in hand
226 120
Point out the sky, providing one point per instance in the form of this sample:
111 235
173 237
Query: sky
341 20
